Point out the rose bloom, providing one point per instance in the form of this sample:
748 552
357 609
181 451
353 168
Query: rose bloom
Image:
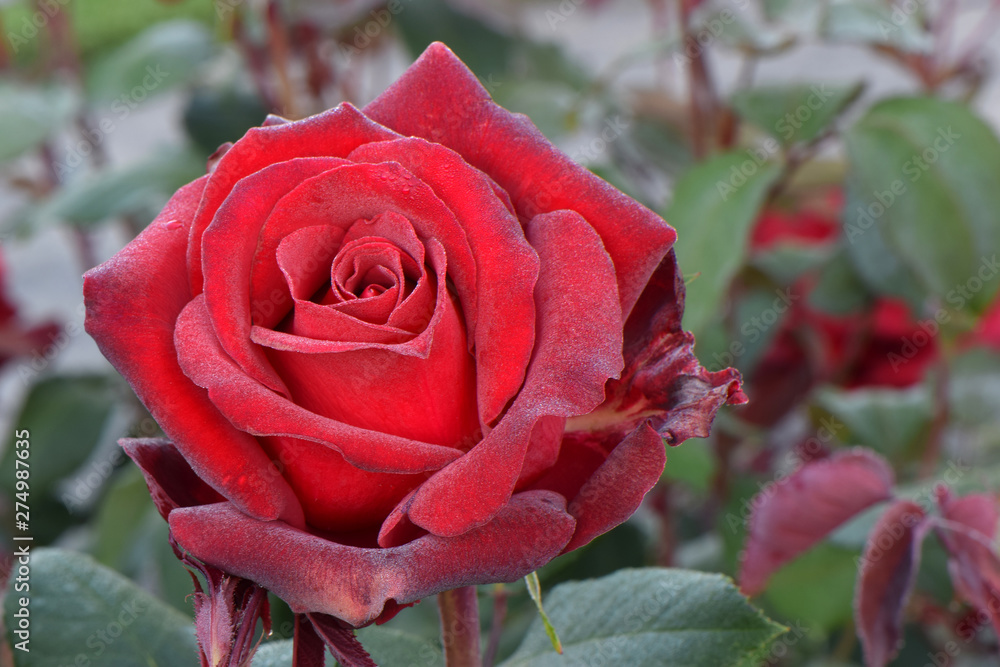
400 350
885 345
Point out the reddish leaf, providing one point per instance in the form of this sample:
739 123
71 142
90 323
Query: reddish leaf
339 637
967 530
309 649
795 513
888 569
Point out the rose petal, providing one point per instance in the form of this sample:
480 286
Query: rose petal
508 147
305 256
433 398
336 496
346 194
253 408
133 301
663 381
579 343
506 265
229 244
617 488
171 481
888 570
316 575
798 511
333 133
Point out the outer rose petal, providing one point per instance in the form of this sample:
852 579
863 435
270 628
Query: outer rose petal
133 301
888 569
616 490
663 382
511 150
171 481
806 506
578 347
354 584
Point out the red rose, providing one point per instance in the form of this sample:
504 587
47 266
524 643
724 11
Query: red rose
379 343
882 346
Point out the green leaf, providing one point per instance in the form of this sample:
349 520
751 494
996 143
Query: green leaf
737 33
796 113
923 189
31 115
974 389
214 116
890 421
100 24
692 463
65 417
165 55
387 647
758 315
485 50
839 289
816 589
785 262
713 208
394 648
275 654
79 608
649 617
140 190
874 23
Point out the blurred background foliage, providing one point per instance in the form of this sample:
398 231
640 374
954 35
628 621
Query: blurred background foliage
832 168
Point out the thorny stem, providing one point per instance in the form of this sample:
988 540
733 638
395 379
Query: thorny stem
460 627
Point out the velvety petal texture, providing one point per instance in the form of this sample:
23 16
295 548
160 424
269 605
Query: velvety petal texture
398 351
